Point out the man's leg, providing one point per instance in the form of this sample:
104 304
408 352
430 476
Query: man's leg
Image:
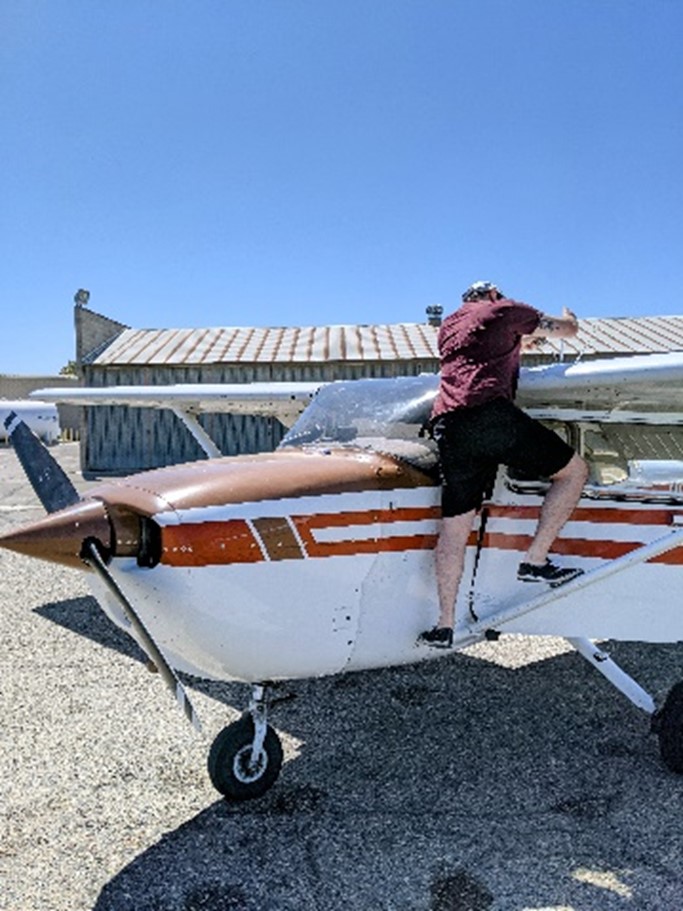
558 505
449 557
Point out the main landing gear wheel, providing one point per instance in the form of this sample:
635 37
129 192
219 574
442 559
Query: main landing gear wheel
669 727
237 770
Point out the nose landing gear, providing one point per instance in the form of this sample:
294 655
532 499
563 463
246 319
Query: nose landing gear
246 757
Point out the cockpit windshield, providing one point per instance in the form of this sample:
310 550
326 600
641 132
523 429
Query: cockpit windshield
383 415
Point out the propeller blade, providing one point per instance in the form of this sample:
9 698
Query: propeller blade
93 558
50 483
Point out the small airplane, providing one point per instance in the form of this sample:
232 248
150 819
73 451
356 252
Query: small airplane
41 417
316 559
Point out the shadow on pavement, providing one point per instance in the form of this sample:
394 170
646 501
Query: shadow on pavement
455 785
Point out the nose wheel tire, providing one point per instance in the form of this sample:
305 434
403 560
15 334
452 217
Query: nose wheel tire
234 770
669 727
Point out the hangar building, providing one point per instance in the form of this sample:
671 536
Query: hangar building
119 440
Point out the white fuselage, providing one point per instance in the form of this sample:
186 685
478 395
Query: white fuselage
341 582
40 417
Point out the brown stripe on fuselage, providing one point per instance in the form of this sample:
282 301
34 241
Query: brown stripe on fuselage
351 548
278 538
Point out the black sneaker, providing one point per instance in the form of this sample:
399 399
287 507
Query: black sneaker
554 575
437 637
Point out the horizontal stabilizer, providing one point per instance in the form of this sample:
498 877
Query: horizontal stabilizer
51 485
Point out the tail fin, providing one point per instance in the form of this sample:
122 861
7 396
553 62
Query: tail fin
50 483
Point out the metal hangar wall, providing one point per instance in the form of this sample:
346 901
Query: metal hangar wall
120 440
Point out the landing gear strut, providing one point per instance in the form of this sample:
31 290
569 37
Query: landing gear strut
246 757
666 722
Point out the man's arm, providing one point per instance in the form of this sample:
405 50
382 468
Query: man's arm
565 326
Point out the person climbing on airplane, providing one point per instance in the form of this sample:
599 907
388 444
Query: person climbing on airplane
478 427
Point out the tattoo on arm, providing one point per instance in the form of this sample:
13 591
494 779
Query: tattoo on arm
547 324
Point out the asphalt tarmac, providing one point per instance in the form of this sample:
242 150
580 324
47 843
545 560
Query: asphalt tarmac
508 778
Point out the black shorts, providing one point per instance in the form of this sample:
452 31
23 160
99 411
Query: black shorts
473 442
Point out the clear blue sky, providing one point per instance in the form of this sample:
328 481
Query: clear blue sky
304 162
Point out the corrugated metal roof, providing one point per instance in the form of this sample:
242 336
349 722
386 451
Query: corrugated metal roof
402 341
622 335
156 347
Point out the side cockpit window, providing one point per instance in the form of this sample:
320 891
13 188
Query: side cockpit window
637 462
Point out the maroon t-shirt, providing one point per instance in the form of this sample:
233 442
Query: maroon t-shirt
479 349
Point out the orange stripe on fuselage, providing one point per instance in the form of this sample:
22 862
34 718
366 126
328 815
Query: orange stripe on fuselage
369 545
240 541
306 525
596 515
206 543
671 557
368 517
574 547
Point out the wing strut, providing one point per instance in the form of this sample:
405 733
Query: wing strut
602 662
201 436
661 545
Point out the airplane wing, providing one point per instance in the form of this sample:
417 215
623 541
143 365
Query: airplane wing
280 400
621 385
640 389
284 401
